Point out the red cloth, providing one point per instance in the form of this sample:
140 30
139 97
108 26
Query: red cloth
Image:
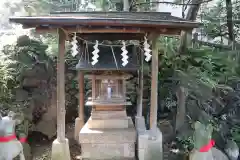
12 137
208 146
23 139
7 138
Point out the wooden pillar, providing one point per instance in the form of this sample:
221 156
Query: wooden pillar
124 88
140 87
79 122
117 87
61 87
93 87
97 88
154 85
81 95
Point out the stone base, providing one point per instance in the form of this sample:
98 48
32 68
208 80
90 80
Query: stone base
79 123
108 143
107 123
107 135
60 151
108 114
108 151
149 141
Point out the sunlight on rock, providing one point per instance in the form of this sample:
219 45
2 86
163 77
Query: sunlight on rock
78 157
175 150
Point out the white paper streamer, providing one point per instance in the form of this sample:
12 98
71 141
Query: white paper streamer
124 54
95 54
74 45
147 50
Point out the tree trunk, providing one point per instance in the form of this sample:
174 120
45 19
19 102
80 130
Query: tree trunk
230 21
184 39
181 110
191 16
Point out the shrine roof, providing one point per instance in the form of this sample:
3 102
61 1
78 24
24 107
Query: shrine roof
103 19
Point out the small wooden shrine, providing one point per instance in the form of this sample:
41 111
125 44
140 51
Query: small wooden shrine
109 132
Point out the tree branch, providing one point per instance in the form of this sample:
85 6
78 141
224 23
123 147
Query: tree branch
172 3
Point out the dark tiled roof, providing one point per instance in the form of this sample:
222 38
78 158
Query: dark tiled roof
107 60
121 19
151 16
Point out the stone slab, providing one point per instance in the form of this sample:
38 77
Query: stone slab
107 123
108 151
105 135
108 114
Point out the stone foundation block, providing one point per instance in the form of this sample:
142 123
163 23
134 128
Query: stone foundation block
109 123
150 145
60 150
143 141
117 135
108 114
108 151
79 123
154 151
141 154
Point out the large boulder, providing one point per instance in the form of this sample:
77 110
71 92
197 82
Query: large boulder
48 123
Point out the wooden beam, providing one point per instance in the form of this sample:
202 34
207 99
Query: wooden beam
61 87
91 30
111 36
154 84
113 77
112 30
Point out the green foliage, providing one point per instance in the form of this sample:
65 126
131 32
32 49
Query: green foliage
200 70
235 131
185 144
15 61
214 19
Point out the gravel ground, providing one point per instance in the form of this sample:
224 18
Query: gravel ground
43 152
41 148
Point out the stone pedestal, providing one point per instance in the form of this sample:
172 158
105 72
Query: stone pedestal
60 150
108 135
149 141
79 122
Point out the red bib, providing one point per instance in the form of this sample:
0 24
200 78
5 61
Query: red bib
207 147
7 138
